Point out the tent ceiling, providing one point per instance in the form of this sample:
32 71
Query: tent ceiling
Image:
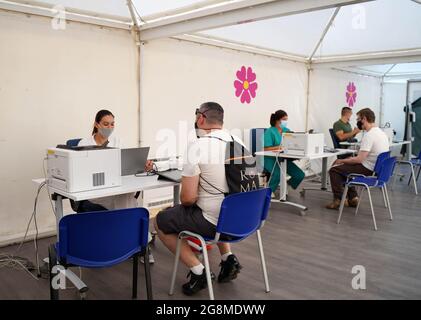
363 29
389 25
119 7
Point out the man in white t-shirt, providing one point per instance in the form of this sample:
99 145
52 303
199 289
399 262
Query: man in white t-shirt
203 187
373 143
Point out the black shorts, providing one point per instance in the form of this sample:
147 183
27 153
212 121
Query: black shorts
181 218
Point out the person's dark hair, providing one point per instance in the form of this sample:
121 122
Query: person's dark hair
345 110
101 114
213 112
277 116
368 114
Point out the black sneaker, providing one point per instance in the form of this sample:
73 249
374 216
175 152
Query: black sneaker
196 283
229 269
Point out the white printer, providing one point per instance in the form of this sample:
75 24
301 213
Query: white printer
83 169
303 144
389 133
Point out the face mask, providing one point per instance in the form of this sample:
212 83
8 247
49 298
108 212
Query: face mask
199 132
105 132
360 124
283 124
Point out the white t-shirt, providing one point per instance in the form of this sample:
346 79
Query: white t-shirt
114 142
205 157
374 141
121 201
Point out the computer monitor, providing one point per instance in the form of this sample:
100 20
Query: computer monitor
133 160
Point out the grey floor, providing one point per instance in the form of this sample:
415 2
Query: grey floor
308 257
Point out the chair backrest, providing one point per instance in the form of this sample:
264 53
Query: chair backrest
102 238
256 140
243 213
380 158
386 169
335 139
72 142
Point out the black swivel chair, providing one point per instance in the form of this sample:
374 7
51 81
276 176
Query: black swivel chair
336 144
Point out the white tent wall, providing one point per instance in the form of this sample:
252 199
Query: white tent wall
327 98
394 100
52 82
178 76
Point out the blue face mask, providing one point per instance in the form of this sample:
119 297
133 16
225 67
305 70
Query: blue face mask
283 124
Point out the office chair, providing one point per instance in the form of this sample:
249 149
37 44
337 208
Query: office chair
336 144
241 215
101 239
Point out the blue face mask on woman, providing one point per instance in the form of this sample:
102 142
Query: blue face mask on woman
283 124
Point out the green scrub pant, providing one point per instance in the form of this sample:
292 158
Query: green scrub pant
297 175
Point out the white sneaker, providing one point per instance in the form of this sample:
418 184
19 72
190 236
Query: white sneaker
151 258
273 196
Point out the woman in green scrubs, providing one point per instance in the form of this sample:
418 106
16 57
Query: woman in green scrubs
272 142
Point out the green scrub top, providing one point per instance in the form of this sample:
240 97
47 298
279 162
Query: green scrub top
272 138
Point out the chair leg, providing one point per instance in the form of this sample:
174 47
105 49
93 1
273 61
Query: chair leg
176 260
384 198
395 175
207 268
341 207
263 261
359 201
135 275
388 202
414 179
418 175
52 256
148 274
372 210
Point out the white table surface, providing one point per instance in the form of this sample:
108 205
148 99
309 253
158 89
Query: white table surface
310 157
129 184
393 144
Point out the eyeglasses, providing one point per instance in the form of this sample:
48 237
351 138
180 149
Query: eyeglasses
200 112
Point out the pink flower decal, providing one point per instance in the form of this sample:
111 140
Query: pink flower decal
351 94
245 86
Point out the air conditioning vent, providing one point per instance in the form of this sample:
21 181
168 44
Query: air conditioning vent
98 179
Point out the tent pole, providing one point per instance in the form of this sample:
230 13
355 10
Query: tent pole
136 24
308 96
382 93
329 24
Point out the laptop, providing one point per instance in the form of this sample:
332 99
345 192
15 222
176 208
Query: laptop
133 160
170 175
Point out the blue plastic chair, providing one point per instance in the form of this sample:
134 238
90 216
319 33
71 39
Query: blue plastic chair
241 215
102 239
379 181
416 162
380 158
73 142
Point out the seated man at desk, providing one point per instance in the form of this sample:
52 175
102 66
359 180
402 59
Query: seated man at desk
342 128
373 143
272 142
203 186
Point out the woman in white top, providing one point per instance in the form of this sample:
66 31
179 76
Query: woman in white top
102 136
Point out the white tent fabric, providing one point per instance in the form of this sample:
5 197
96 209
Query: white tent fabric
369 27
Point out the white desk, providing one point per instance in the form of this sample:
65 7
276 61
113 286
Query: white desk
392 145
283 157
130 184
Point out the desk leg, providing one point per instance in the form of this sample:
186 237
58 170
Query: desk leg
176 194
324 173
59 211
283 181
283 187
